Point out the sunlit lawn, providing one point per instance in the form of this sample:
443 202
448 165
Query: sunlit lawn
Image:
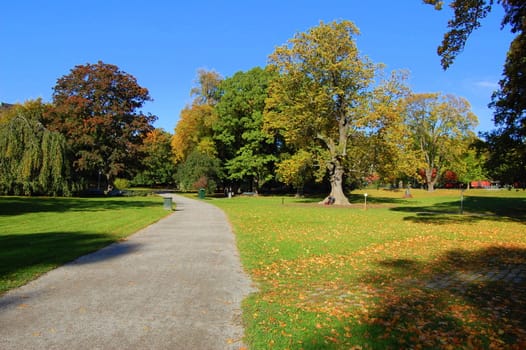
39 234
401 274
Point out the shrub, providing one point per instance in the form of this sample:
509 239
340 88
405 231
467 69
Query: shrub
121 184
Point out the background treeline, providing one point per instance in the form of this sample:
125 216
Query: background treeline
321 116
91 133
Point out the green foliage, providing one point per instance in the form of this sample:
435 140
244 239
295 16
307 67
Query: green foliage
321 95
509 101
296 169
506 157
441 129
121 184
199 170
194 128
158 167
473 166
247 152
510 109
33 159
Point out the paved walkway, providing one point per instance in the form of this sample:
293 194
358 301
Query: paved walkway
177 284
513 274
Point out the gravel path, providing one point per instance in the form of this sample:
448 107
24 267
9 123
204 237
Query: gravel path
176 284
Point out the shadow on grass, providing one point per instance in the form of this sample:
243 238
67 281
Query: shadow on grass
10 206
462 300
353 199
474 209
24 257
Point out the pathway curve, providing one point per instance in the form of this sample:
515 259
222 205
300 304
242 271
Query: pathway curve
176 284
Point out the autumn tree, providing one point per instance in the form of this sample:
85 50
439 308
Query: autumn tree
296 170
97 108
389 146
194 128
248 153
158 167
321 94
442 129
509 102
33 159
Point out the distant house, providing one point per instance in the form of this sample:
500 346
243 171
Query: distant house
485 184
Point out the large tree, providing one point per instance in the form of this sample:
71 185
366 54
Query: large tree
247 152
509 101
32 158
442 129
97 108
321 94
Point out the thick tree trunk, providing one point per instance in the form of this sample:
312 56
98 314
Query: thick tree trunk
336 178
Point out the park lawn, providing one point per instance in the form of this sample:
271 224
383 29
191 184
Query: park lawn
39 234
401 274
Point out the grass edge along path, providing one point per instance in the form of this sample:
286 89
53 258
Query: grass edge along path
405 273
39 234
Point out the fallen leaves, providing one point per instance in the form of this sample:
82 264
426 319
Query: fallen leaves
386 282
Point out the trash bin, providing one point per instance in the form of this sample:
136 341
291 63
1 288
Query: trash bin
201 193
167 203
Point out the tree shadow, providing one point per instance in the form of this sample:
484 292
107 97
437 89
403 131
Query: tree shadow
472 209
463 299
24 257
359 199
10 206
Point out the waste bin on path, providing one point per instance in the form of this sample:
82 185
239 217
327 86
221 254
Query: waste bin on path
201 193
167 203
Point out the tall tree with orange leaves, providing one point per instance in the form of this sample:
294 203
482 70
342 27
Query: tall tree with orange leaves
97 109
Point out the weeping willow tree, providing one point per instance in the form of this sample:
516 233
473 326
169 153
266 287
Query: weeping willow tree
33 159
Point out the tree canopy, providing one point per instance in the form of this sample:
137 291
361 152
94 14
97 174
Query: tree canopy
33 159
194 128
321 94
248 153
442 129
97 108
156 159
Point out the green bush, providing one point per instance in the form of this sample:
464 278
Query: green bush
121 184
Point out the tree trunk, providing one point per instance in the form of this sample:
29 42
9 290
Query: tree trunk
336 179
299 191
430 180
109 182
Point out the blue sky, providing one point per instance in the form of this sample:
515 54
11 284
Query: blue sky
164 43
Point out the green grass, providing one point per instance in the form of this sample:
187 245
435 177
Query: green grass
340 277
39 234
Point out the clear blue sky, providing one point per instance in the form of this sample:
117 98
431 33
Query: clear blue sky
164 43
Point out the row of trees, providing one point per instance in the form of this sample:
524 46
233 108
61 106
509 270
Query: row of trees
321 110
93 128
